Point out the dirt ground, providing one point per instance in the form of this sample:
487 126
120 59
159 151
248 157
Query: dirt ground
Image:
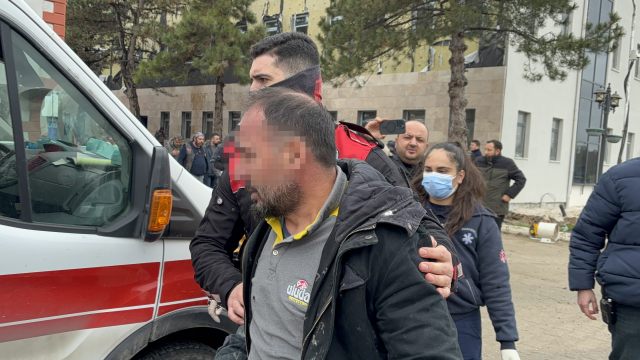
550 323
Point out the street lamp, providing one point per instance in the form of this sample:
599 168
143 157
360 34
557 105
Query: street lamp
608 103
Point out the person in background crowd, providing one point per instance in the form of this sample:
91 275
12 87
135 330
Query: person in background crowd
474 147
211 148
312 205
451 188
161 136
498 171
193 157
408 149
173 146
612 218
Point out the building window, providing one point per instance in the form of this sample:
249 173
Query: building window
207 124
301 23
615 56
566 24
471 124
630 141
334 115
365 116
587 151
272 23
638 67
334 19
186 125
556 139
234 120
521 134
417 115
165 121
242 26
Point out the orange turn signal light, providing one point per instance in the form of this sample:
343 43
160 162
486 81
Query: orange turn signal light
160 213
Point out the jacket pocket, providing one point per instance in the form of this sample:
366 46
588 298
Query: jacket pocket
350 280
474 295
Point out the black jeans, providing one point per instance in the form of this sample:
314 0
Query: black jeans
210 180
499 221
625 344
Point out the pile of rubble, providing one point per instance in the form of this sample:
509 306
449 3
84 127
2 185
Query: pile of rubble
526 216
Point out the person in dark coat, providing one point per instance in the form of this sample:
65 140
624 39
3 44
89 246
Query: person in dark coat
212 149
451 189
474 147
193 157
322 278
611 220
498 172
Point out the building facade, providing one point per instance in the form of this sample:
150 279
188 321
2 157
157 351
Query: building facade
541 125
53 12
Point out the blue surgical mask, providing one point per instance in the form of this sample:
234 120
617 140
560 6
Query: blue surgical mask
438 185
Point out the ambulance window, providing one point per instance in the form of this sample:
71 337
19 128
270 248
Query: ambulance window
79 166
9 195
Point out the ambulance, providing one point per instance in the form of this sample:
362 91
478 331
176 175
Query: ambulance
95 216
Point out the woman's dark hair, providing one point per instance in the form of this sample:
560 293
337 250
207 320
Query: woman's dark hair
468 195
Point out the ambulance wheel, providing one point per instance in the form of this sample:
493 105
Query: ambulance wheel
179 350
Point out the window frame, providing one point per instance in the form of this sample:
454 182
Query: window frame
558 144
231 127
269 29
631 139
334 114
615 57
165 123
405 115
205 123
361 114
130 225
183 127
296 26
524 137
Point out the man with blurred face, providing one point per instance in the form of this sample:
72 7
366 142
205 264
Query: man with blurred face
285 152
194 157
292 61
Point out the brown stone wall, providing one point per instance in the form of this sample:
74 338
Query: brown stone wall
388 94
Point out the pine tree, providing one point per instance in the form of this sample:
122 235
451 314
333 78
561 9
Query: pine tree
206 41
372 30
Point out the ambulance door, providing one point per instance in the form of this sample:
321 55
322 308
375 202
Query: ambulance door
76 278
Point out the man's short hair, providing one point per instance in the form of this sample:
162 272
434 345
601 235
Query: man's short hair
293 51
496 144
303 114
214 135
476 142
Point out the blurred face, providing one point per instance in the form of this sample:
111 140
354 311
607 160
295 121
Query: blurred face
412 145
215 140
199 141
176 142
473 146
490 150
264 73
269 158
438 161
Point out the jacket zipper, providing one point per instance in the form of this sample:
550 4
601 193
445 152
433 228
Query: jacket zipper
472 293
304 342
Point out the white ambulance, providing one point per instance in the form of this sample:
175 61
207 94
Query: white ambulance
95 218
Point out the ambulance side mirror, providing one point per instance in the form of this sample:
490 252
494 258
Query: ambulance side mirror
159 198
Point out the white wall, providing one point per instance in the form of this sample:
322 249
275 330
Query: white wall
544 100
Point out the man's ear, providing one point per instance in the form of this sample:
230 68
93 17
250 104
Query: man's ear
294 153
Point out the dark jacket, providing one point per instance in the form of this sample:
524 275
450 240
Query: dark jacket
486 280
187 156
211 157
498 171
228 219
613 212
369 300
408 171
476 153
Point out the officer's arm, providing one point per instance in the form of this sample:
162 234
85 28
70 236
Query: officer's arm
218 235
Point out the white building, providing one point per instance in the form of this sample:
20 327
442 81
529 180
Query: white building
543 124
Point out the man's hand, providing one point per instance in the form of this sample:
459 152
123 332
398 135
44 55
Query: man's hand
586 298
235 305
506 198
510 354
439 273
175 152
374 128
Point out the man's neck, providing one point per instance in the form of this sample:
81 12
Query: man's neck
195 145
314 195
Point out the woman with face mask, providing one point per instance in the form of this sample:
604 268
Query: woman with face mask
451 189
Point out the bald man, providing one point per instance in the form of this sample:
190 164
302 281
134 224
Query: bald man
409 148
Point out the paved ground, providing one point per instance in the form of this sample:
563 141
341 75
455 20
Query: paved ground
549 320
